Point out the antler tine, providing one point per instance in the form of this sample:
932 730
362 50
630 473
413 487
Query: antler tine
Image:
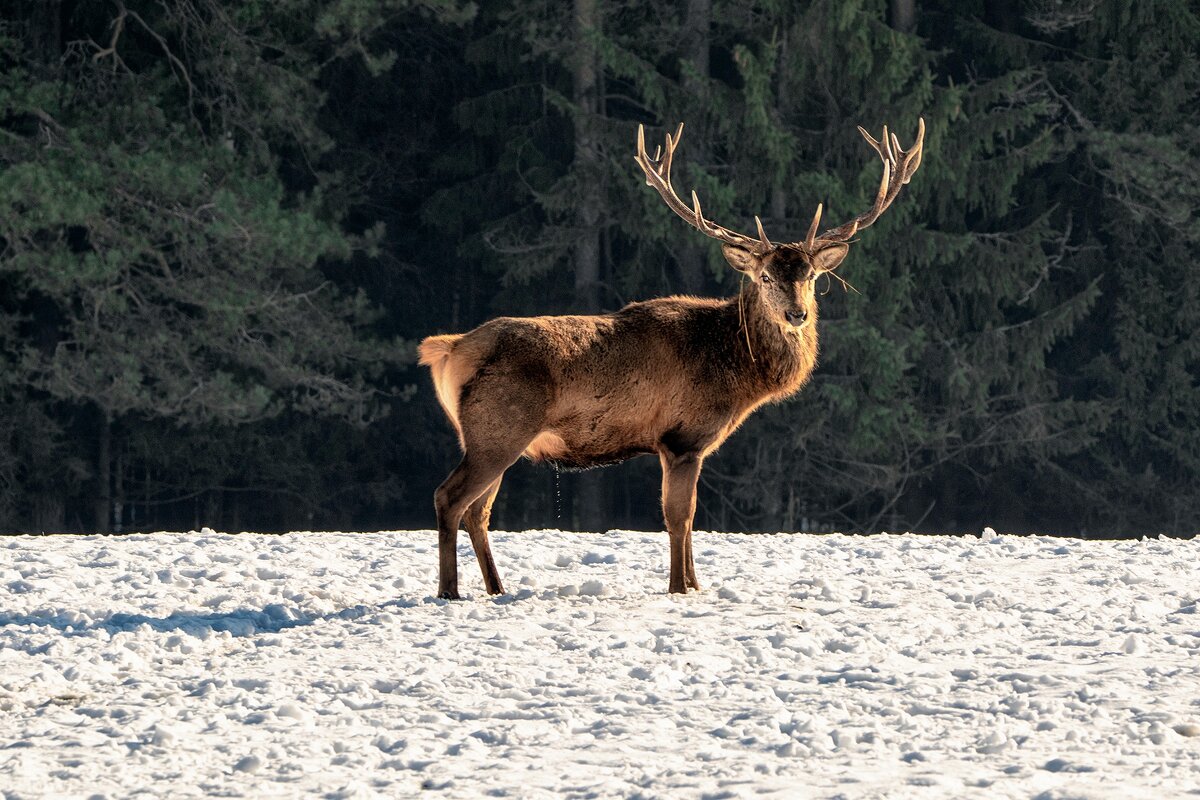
810 241
899 165
881 195
669 155
911 164
641 157
871 140
762 235
912 159
699 220
658 175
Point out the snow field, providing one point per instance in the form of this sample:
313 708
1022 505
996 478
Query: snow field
320 665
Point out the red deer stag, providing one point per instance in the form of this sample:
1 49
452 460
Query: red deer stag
672 376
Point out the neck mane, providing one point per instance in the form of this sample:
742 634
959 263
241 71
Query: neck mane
783 357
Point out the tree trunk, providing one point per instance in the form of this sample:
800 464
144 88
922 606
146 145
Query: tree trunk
118 504
589 495
44 27
49 512
214 509
904 15
692 257
587 158
783 100
234 506
1001 14
103 497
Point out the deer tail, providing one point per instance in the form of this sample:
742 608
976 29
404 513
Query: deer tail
434 350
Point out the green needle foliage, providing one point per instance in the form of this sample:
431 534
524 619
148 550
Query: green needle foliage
157 262
222 226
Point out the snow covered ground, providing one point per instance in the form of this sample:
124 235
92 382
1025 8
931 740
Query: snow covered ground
313 664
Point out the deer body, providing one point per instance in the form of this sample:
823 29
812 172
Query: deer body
675 373
673 376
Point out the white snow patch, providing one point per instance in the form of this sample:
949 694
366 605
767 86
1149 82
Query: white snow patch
861 667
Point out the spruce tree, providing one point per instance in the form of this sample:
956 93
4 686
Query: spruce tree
156 262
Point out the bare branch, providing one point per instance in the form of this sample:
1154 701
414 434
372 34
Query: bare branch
176 64
118 26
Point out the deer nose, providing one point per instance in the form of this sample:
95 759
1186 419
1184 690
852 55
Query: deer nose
796 317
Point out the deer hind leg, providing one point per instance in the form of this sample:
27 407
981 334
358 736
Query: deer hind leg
500 414
477 517
473 476
680 473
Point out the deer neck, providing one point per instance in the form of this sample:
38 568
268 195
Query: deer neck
781 356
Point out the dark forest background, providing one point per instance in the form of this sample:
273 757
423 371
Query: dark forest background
225 225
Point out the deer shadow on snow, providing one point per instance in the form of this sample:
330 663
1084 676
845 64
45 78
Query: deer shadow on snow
239 622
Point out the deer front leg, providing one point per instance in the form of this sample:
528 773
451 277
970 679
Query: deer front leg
680 473
689 566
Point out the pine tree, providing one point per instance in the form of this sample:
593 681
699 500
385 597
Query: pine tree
1127 79
157 264
212 215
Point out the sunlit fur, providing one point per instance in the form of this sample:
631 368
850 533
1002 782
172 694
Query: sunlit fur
674 376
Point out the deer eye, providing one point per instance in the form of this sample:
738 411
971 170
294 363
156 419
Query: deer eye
765 278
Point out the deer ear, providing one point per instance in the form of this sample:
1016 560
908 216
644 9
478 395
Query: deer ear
828 258
741 259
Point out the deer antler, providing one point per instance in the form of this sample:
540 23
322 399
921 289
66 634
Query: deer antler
898 168
658 175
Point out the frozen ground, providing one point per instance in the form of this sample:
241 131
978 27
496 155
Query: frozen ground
172 665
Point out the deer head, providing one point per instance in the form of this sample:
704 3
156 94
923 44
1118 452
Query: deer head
783 274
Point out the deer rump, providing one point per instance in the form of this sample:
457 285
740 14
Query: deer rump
588 391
